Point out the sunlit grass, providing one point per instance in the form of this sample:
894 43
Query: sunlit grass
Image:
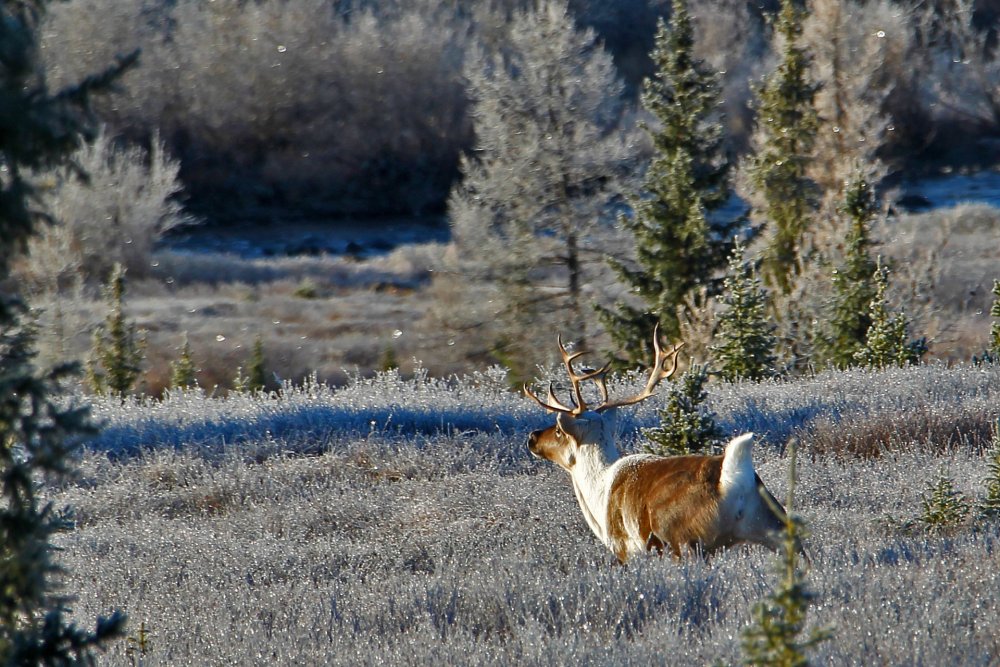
400 520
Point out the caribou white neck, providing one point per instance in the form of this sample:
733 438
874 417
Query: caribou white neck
592 473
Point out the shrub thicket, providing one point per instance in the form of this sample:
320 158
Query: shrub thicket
327 105
286 104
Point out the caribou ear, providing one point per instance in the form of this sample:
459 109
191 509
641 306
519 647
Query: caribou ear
569 425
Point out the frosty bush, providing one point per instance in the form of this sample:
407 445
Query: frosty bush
277 103
123 202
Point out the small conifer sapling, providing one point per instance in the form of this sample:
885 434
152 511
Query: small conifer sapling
686 427
779 620
990 506
887 341
183 372
116 356
744 341
943 506
854 288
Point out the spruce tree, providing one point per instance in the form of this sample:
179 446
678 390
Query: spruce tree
786 134
685 426
944 507
39 433
990 507
887 341
745 341
527 216
116 356
256 378
677 248
183 372
849 315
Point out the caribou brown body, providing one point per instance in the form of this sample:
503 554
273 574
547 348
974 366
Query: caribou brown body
643 502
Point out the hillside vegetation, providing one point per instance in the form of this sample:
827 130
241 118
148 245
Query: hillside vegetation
402 521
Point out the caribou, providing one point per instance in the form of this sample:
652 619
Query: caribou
643 502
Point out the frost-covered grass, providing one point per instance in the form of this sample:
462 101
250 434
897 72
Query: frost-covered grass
401 521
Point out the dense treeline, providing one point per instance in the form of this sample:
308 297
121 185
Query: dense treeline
336 107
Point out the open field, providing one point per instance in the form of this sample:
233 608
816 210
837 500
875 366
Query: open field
336 315
401 521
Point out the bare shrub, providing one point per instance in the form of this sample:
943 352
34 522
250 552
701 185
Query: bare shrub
966 65
945 262
115 213
732 40
851 44
925 427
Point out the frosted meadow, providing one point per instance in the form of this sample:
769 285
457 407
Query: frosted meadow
400 520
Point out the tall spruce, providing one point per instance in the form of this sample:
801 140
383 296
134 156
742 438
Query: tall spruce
677 248
744 340
39 432
849 316
116 355
783 145
887 342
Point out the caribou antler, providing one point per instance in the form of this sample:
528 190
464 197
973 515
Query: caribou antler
553 404
657 374
599 376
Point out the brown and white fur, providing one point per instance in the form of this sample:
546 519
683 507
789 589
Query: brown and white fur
642 502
